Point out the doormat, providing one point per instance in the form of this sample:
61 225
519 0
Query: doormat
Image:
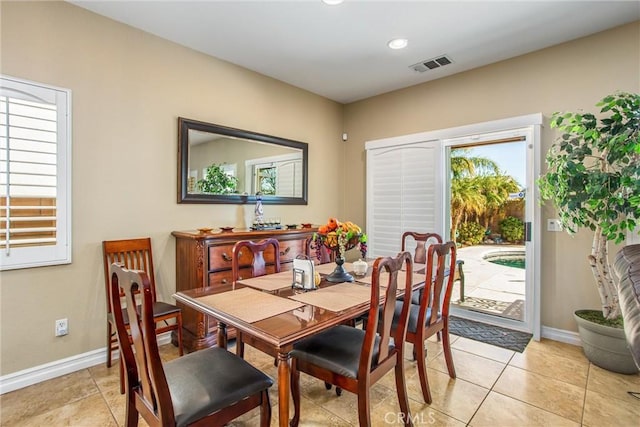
490 334
511 310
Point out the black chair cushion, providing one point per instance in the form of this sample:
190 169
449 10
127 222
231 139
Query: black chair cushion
417 294
415 297
414 311
162 308
336 349
159 309
208 380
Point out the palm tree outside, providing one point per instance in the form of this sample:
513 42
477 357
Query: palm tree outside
480 191
487 213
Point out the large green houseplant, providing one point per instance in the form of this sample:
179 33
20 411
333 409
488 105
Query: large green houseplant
217 181
593 179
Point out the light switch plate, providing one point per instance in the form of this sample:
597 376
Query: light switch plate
553 225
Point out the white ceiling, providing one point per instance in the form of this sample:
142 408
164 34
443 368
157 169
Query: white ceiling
341 52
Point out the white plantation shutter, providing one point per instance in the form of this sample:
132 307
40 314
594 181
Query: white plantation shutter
34 175
402 195
289 178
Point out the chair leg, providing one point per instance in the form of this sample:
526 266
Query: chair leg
265 410
446 346
109 351
180 346
364 406
422 373
131 413
239 345
121 368
461 279
401 387
295 392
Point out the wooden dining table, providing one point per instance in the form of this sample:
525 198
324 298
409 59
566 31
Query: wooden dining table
272 316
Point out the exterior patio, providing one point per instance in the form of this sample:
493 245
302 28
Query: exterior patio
490 287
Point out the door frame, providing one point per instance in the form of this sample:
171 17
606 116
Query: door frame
532 300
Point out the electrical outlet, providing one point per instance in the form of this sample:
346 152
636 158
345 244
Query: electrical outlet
554 225
62 327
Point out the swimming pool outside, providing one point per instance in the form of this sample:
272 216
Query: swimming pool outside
509 258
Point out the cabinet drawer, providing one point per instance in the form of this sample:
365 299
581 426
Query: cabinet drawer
220 257
220 278
290 249
226 276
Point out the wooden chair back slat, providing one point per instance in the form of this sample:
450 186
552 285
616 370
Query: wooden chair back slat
319 254
437 293
380 324
258 268
421 239
133 254
257 249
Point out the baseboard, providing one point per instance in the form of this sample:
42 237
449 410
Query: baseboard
30 376
561 335
27 377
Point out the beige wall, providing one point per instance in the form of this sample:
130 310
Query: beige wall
129 88
566 77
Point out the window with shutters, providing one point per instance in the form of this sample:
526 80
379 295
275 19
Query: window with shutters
35 174
275 175
402 195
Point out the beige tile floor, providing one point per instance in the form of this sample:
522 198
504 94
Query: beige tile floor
550 384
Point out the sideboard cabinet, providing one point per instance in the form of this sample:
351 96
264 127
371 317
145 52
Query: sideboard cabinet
204 259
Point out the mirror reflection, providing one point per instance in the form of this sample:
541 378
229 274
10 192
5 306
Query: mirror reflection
226 165
220 164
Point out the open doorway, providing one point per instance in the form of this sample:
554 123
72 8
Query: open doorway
490 221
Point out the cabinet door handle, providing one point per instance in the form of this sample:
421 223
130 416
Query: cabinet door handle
228 258
286 251
223 281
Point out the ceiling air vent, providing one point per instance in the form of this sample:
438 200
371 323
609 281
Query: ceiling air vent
430 64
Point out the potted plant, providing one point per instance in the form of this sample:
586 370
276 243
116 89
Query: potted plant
217 181
593 179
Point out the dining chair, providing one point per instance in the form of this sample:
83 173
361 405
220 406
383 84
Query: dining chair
420 252
208 387
258 267
432 315
420 257
318 253
355 359
136 254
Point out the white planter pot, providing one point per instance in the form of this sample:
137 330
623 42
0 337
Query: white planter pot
605 346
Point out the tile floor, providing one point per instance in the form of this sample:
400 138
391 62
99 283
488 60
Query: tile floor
550 384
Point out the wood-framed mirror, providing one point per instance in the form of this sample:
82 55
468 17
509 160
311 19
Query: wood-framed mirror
219 164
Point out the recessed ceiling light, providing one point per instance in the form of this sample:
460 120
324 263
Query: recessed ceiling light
332 2
398 43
